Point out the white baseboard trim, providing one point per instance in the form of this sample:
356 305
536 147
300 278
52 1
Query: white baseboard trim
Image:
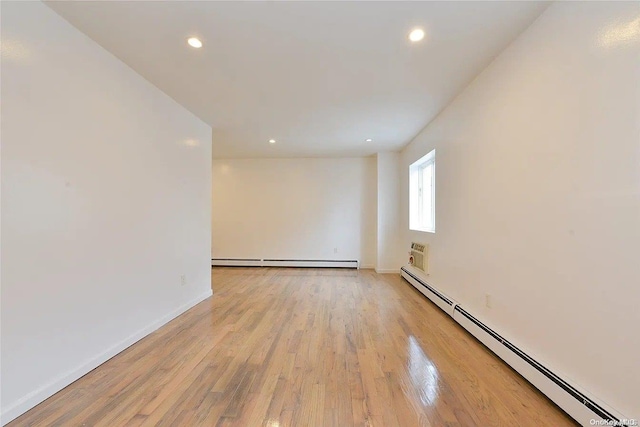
22 405
387 271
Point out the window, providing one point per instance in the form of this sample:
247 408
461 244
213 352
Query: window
422 194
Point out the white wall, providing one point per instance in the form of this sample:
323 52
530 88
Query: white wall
538 195
390 256
105 204
295 209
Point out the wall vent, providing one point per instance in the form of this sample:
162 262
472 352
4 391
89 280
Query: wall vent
419 256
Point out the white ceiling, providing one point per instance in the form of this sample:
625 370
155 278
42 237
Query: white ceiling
319 77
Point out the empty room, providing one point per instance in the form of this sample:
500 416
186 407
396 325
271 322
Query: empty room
320 213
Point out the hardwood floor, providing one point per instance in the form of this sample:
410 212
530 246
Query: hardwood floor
301 347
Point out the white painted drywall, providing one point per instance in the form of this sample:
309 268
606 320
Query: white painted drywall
389 255
295 209
106 189
538 196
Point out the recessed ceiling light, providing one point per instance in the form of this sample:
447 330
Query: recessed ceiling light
368 140
194 42
416 35
272 141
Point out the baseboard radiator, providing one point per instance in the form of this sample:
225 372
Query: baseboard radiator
310 263
575 402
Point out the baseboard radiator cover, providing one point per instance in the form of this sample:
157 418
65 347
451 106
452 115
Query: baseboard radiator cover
576 402
264 262
236 262
438 298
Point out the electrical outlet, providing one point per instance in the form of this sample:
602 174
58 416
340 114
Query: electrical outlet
487 300
335 250
183 280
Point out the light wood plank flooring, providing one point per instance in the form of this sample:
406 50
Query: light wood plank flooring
303 347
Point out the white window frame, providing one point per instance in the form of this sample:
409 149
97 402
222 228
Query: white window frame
421 198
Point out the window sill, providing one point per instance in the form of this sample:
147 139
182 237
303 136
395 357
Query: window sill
422 231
